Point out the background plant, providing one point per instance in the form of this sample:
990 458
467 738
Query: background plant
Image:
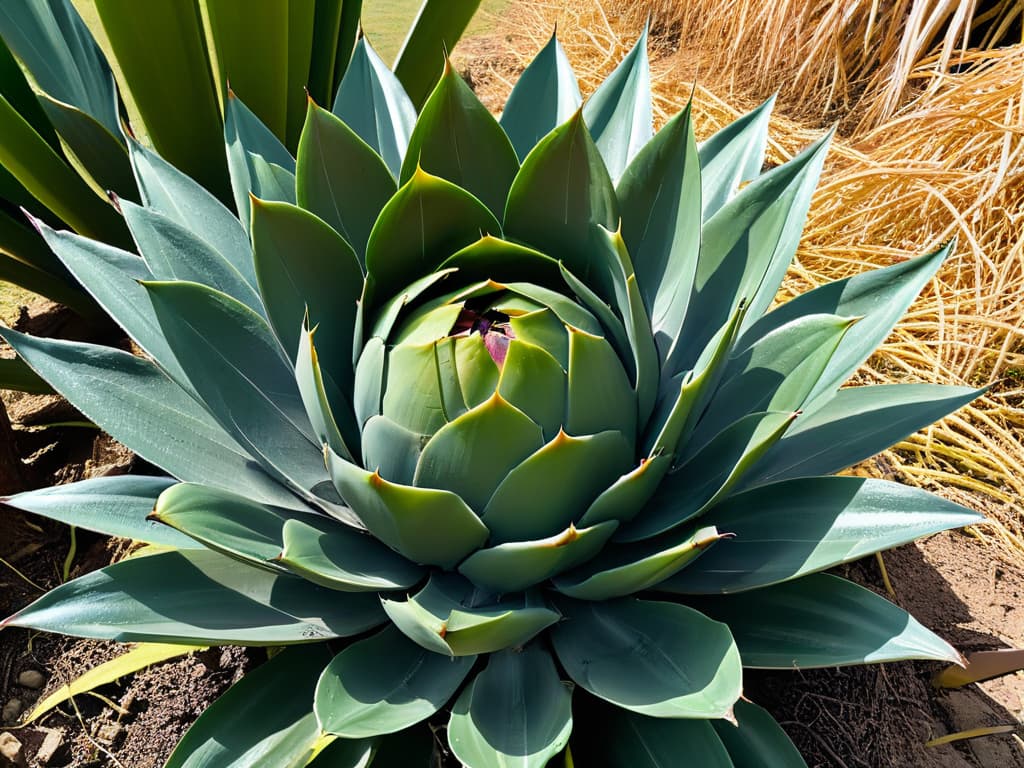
65 110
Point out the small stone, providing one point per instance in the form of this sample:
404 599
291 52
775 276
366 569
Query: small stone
11 753
107 733
52 743
11 710
31 678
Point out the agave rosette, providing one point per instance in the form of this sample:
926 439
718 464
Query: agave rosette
501 411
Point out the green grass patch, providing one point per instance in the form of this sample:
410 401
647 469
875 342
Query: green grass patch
11 299
386 22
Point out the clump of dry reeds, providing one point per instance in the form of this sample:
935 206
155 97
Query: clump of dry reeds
950 164
862 58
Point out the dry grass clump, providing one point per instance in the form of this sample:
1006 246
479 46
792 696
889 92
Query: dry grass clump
861 58
951 164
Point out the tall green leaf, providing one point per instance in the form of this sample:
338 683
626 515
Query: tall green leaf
618 113
437 28
161 51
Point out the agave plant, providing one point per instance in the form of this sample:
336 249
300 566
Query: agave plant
498 422
63 114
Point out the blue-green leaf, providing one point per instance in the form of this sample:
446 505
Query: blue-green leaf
746 248
654 658
253 151
853 425
173 252
167 190
756 740
660 198
240 372
372 102
454 127
113 506
384 684
618 113
544 97
733 156
154 417
879 297
215 600
305 267
340 178
57 48
788 529
515 714
822 621
616 738
265 718
560 195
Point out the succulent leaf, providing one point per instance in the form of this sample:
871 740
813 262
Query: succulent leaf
654 658
453 125
823 621
234 362
517 565
168 191
756 740
341 558
544 97
732 156
114 506
809 525
450 616
383 684
560 195
267 713
516 712
590 460
618 113
427 220
619 738
215 600
172 252
328 151
853 425
258 163
373 103
428 526
89 375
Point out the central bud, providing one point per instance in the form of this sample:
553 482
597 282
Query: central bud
483 379
493 326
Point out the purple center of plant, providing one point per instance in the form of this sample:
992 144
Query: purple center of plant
492 326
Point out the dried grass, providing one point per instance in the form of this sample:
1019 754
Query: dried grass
951 164
863 58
